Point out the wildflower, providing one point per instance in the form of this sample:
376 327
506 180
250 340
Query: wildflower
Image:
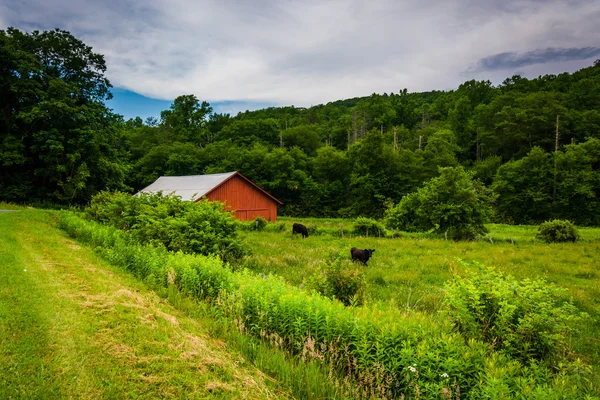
444 375
412 369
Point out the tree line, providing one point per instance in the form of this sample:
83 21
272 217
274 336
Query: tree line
535 143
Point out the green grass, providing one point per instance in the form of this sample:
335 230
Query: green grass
526 233
73 326
410 272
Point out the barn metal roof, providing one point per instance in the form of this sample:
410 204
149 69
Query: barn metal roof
190 187
193 187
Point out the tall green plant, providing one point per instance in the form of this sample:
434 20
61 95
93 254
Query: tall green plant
341 279
203 227
388 353
529 320
453 203
368 227
557 231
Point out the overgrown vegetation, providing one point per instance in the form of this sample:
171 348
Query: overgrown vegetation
368 226
557 231
341 279
202 227
452 204
530 320
389 353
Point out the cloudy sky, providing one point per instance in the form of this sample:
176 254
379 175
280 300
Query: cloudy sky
242 55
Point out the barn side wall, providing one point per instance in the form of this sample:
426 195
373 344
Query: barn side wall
247 201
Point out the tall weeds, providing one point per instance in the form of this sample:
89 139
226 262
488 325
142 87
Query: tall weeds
388 353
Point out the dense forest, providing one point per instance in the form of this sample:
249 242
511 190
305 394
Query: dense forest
535 143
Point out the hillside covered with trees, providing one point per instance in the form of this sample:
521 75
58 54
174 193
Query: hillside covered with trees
535 143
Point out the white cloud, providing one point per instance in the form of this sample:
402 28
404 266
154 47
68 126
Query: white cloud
309 52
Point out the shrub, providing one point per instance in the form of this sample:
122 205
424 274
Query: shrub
341 279
527 320
556 231
452 204
113 208
202 227
368 227
259 223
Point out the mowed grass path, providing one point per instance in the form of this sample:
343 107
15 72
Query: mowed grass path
411 272
73 326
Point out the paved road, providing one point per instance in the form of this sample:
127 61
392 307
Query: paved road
9 210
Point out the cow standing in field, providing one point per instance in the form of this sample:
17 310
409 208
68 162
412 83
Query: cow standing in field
361 255
301 229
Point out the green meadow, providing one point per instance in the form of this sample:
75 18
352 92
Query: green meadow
409 272
74 325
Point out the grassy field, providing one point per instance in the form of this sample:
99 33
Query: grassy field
72 326
410 272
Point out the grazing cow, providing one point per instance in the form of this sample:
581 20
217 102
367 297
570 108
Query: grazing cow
361 255
301 229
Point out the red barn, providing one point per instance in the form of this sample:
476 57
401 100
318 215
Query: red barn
238 193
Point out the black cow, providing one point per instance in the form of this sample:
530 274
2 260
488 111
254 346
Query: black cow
361 255
301 229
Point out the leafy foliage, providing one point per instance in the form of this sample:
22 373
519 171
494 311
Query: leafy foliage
348 158
58 139
341 279
524 188
530 320
388 353
203 227
368 227
258 224
557 231
453 203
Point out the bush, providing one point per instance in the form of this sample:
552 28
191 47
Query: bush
260 223
452 204
257 224
202 227
114 209
557 231
527 320
368 227
341 279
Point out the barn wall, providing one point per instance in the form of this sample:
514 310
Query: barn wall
247 201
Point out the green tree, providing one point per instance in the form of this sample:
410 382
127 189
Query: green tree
485 170
578 183
248 131
524 188
306 137
440 151
375 167
512 124
460 122
186 120
59 141
331 170
452 204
